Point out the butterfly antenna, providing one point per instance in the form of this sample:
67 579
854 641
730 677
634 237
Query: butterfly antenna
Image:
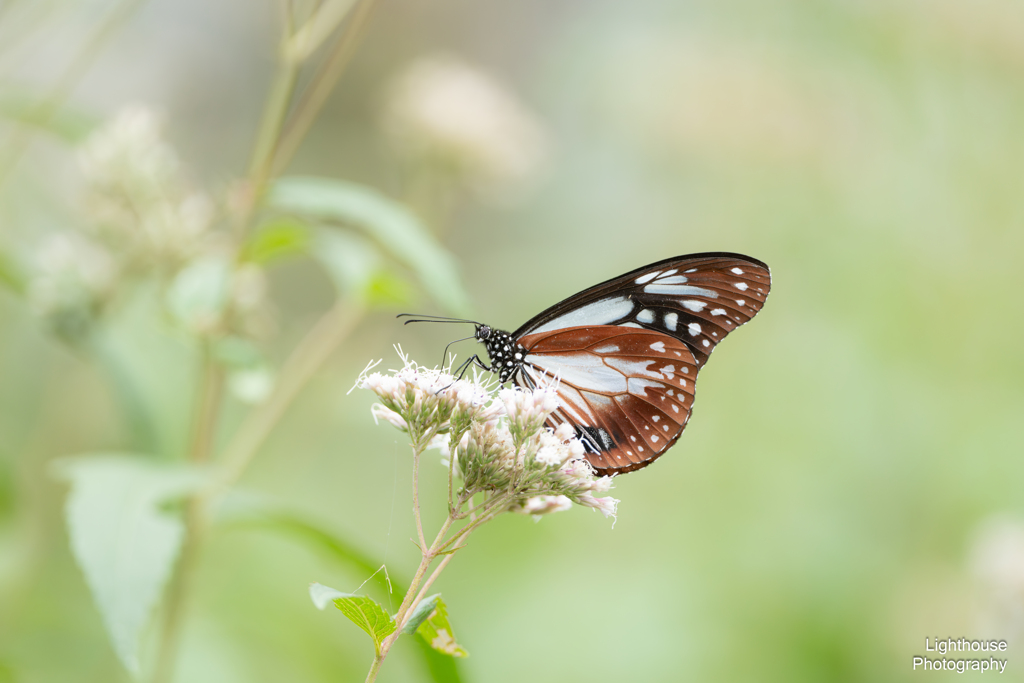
415 318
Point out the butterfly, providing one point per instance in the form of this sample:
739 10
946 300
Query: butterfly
625 353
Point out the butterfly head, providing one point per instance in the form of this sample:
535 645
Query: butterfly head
505 353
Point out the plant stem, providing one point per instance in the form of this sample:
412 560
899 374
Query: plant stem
274 112
418 587
270 128
208 403
372 676
416 453
315 96
211 385
433 577
492 508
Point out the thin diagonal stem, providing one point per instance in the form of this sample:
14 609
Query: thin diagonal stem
302 364
315 96
416 497
211 387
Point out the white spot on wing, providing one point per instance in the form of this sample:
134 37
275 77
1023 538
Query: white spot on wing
742 286
645 316
680 290
656 418
658 346
707 343
737 271
671 319
607 348
694 329
691 270
695 306
654 439
718 311
741 302
631 325
677 280
644 279
601 312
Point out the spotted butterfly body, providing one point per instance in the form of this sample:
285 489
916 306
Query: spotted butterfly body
626 352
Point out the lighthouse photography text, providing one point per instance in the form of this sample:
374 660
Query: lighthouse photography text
949 645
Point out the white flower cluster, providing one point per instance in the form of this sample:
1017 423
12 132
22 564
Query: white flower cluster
501 443
142 222
426 402
135 194
447 112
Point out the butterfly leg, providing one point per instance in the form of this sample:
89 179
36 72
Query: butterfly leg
472 360
462 369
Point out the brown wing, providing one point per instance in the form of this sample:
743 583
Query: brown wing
628 391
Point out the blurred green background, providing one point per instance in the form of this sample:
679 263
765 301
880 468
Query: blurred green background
851 480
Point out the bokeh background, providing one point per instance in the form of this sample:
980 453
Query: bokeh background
851 480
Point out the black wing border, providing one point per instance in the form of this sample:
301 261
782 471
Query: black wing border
592 293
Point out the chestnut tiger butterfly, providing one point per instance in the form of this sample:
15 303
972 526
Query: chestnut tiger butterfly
626 352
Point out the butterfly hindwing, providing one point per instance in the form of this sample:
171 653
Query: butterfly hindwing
697 299
628 392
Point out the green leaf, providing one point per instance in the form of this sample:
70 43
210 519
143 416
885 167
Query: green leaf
388 222
350 260
322 595
437 632
131 397
243 509
123 538
440 667
355 266
364 612
277 241
240 509
67 123
420 614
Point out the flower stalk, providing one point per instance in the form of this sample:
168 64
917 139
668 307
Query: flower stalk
496 447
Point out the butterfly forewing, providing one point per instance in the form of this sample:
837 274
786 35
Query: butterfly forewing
697 299
628 392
